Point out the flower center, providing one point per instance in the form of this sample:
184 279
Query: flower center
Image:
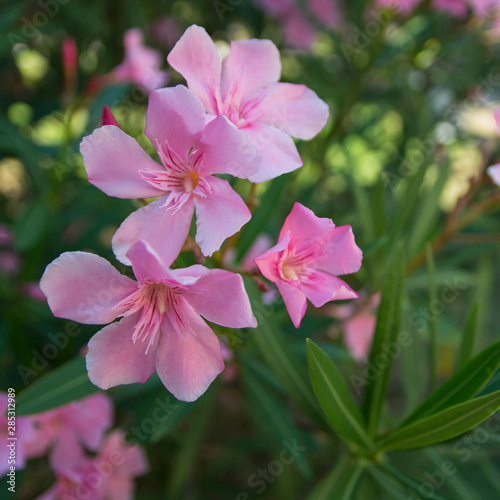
191 180
153 300
181 177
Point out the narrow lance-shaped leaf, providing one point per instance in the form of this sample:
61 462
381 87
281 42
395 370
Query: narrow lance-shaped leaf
385 335
469 337
63 385
462 386
335 399
444 425
433 342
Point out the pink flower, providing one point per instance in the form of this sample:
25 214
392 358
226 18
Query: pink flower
404 6
311 252
358 324
119 463
80 482
191 153
24 433
161 327
456 8
141 64
297 31
66 431
245 88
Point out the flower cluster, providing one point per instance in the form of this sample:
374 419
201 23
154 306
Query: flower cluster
65 434
233 118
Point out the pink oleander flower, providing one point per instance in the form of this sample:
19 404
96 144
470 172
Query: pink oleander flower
141 65
119 463
161 329
297 31
82 481
24 433
65 432
358 324
311 252
245 88
191 153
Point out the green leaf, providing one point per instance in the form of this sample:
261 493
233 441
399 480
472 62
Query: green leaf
462 386
386 332
63 385
335 399
276 417
283 361
469 337
433 343
390 484
184 461
341 483
444 425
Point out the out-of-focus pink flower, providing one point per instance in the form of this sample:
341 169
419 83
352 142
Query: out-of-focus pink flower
10 263
297 31
358 323
107 117
166 31
161 328
141 64
32 289
311 252
66 431
13 452
81 481
456 8
6 235
119 463
191 153
245 88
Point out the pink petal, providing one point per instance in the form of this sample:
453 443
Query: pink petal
295 109
220 215
227 150
250 66
269 260
494 173
113 161
146 263
162 229
259 246
84 287
113 359
118 488
339 252
196 58
278 151
133 463
326 287
303 224
175 116
358 334
220 297
188 357
295 301
92 417
67 452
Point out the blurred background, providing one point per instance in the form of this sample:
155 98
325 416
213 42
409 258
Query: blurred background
412 88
